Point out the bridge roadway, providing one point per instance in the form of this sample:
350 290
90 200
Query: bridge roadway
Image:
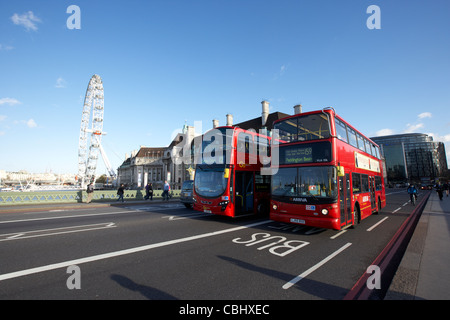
161 250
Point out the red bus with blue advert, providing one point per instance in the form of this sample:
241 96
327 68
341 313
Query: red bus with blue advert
228 179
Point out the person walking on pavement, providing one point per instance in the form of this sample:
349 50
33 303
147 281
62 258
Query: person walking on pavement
148 191
446 187
90 192
120 192
440 191
165 194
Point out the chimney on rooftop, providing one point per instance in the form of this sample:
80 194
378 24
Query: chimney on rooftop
298 109
265 112
215 123
229 120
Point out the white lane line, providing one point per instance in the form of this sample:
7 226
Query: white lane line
187 216
376 224
55 231
338 234
14 236
398 209
388 194
65 264
289 284
67 217
158 208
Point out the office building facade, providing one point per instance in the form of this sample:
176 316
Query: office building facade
412 157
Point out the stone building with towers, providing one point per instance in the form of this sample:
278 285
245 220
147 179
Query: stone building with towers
157 164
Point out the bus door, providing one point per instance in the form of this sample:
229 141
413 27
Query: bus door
373 200
344 199
243 192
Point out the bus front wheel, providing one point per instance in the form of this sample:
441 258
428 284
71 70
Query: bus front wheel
263 208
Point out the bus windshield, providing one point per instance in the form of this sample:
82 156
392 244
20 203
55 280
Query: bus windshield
216 146
210 182
304 182
304 128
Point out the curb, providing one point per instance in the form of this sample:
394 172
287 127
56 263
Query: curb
389 259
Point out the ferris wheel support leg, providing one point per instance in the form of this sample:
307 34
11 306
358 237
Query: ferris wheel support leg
107 163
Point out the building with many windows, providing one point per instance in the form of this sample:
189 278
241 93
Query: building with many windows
412 157
157 164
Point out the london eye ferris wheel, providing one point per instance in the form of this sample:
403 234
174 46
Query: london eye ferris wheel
91 132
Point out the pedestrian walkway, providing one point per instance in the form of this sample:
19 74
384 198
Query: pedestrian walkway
423 273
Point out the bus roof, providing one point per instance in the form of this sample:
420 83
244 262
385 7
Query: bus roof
330 111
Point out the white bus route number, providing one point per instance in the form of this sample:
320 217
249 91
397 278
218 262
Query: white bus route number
277 244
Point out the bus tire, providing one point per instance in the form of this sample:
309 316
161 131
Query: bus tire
356 217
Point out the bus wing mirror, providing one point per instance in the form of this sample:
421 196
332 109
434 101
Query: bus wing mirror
226 173
340 171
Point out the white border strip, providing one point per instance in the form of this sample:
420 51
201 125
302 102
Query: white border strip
122 252
67 217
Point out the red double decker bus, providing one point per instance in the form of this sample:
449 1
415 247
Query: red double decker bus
328 174
228 179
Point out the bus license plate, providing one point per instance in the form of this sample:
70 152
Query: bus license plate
207 211
297 221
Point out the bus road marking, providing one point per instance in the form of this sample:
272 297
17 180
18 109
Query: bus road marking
289 284
113 254
274 247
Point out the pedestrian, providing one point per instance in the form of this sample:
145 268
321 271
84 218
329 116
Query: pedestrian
90 192
439 190
165 193
148 191
446 187
120 192
151 191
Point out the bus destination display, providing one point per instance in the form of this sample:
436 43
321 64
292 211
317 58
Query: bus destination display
306 153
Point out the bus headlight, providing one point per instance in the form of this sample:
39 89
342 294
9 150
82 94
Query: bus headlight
324 212
223 204
275 207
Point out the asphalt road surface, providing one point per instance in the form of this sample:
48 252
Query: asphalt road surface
165 251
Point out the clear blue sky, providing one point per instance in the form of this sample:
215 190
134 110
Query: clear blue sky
166 62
